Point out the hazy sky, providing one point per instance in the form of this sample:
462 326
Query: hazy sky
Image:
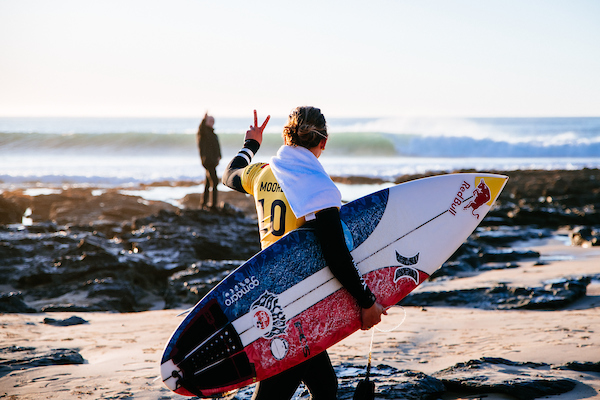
350 58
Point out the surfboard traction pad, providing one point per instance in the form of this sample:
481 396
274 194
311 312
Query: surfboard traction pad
221 363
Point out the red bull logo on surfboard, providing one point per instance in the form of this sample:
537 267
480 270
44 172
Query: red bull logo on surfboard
481 196
478 197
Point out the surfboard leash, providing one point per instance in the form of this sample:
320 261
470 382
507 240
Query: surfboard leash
370 353
365 390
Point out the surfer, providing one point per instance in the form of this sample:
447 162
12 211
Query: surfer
290 191
210 155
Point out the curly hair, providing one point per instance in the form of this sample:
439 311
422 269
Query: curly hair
305 127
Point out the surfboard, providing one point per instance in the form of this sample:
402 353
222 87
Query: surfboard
284 305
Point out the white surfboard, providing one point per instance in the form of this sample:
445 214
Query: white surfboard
284 305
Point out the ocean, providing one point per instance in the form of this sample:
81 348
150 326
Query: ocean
112 152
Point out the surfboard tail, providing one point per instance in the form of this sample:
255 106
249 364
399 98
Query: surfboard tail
209 358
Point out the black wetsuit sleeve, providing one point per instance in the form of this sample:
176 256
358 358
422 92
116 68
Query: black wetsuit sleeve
329 230
232 177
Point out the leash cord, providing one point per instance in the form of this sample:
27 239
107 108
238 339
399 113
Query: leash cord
382 330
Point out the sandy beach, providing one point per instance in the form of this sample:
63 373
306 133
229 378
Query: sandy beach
122 350
116 355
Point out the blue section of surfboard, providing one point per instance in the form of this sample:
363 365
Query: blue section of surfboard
284 306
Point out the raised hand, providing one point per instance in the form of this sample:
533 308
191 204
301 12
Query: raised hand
256 132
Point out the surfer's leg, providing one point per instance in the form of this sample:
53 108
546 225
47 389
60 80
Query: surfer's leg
281 386
320 378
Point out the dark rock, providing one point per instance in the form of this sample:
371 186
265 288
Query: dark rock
507 255
503 236
213 250
92 244
33 279
8 253
453 268
69 307
390 383
232 203
196 235
581 366
551 217
554 296
13 303
11 212
462 268
551 296
74 320
477 298
113 295
579 186
523 381
42 227
585 236
495 266
187 287
19 358
117 252
14 349
486 249
128 271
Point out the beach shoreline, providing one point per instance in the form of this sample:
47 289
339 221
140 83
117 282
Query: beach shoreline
522 186
116 353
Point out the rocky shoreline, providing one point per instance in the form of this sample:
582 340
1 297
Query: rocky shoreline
90 250
114 252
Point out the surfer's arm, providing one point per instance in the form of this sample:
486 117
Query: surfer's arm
232 177
329 231
233 173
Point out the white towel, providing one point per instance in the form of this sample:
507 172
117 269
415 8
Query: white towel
306 185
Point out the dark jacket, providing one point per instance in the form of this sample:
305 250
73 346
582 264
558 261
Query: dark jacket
208 145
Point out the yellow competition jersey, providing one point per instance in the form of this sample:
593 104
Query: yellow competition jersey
275 216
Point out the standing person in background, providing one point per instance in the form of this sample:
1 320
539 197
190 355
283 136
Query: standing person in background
304 194
210 155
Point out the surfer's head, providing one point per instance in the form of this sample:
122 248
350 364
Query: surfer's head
305 127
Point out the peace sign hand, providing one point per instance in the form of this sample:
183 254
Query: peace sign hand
256 132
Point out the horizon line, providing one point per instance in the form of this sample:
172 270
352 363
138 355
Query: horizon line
285 116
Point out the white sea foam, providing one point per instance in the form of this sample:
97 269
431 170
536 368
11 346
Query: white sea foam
128 151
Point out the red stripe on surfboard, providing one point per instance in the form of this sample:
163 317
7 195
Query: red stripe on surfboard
326 323
322 325
308 334
381 282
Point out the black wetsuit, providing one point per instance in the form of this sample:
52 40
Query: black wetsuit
317 373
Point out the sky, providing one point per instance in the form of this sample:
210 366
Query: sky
381 58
